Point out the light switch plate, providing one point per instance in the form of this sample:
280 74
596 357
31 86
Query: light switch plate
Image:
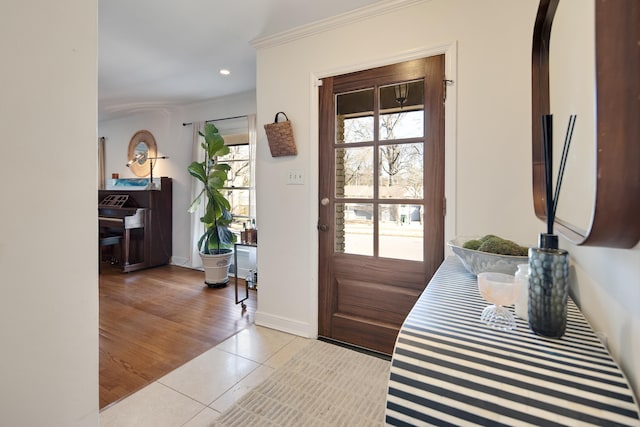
295 177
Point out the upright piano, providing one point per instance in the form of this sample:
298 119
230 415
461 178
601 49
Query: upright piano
140 220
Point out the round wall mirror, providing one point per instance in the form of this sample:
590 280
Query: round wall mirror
142 146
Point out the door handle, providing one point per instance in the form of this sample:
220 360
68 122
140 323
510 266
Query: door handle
323 227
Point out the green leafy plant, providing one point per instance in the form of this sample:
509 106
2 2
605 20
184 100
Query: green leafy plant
217 237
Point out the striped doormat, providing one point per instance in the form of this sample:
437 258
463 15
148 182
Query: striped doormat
323 385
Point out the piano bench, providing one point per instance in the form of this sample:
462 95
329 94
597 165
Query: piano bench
110 241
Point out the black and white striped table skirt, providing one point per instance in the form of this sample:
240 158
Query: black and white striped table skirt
449 369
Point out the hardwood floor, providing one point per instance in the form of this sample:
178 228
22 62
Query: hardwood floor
153 321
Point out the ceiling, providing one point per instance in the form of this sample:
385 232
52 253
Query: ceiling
152 54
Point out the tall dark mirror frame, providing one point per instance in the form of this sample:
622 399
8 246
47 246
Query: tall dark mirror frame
616 211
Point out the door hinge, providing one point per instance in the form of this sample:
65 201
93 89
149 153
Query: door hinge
444 206
445 83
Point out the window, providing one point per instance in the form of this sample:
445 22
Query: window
379 166
239 134
240 185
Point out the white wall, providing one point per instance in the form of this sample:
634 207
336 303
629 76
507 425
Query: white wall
606 287
48 229
493 104
488 153
173 140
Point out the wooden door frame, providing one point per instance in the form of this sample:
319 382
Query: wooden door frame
450 51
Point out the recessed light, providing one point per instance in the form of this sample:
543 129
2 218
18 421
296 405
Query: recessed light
225 72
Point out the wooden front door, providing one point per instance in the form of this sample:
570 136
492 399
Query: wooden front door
381 188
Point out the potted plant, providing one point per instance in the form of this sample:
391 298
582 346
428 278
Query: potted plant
216 243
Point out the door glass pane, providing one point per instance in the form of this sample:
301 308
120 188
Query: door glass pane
406 124
354 228
402 111
379 155
354 116
401 231
400 171
354 172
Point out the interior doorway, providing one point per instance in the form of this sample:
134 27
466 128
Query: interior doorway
381 189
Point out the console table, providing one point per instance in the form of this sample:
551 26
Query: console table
450 369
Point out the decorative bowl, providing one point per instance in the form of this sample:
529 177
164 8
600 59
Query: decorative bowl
478 262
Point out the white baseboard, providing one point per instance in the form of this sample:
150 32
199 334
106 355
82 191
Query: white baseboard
284 324
180 261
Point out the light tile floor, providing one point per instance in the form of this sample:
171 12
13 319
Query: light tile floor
196 393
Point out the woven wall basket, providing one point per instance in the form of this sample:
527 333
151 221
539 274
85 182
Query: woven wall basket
280 137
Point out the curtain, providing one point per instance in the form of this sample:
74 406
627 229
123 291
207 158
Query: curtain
101 167
197 154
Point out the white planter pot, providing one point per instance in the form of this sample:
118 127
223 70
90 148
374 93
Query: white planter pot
216 268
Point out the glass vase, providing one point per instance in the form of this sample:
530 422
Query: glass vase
548 291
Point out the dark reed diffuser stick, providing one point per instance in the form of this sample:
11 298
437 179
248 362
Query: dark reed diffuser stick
563 161
547 145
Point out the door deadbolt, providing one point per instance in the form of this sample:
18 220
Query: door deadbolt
323 227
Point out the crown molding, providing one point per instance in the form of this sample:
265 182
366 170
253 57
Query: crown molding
380 8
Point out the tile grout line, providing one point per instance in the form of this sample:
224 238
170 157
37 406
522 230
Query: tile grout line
259 364
271 355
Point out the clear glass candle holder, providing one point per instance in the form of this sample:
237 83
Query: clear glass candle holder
500 290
